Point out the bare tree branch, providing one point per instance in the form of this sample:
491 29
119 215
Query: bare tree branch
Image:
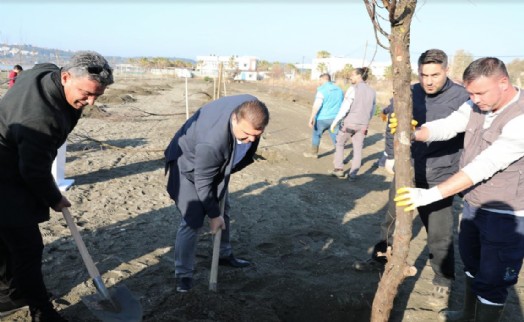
392 8
385 3
371 9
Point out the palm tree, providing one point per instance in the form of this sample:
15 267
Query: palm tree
323 54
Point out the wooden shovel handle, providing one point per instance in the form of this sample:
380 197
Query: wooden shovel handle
214 262
88 261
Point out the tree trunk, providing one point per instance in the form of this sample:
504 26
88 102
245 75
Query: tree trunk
397 268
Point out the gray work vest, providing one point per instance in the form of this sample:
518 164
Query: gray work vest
505 190
362 106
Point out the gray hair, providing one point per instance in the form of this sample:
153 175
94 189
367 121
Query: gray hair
92 65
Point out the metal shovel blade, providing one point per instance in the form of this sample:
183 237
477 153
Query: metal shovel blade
123 307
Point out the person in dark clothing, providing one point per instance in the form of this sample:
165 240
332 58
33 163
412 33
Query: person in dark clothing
435 97
219 139
36 116
491 237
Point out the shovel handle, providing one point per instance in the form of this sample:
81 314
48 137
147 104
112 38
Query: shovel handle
88 261
214 262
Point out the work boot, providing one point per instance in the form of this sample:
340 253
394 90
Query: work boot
233 261
313 153
488 313
467 314
369 265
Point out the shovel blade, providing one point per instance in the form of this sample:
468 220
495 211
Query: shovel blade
122 307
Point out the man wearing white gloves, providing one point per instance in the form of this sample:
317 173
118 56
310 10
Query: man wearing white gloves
491 238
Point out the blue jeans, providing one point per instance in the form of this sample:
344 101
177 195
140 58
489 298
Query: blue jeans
492 249
320 127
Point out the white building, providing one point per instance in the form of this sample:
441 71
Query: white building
246 76
332 65
172 71
208 65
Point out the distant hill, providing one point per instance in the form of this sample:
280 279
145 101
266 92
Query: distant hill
28 55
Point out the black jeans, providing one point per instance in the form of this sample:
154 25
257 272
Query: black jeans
438 221
492 248
21 265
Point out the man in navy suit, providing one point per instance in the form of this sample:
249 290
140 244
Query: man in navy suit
219 139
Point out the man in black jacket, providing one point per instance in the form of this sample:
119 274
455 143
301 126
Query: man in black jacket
36 116
435 97
218 140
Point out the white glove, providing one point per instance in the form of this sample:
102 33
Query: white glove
416 197
390 163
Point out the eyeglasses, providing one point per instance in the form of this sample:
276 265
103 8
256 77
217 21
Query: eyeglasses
96 70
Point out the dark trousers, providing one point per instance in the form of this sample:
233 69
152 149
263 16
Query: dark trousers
21 265
492 249
186 243
438 221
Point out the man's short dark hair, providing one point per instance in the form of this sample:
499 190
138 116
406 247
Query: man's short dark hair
487 67
325 76
255 112
18 68
433 56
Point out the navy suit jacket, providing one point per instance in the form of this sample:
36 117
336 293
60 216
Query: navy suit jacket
199 160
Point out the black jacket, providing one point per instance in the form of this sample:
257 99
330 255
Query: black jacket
436 161
35 120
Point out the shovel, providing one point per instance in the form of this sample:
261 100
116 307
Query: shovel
109 306
214 262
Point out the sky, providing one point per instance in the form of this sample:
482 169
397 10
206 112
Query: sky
289 31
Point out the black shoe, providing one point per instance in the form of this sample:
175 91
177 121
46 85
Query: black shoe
11 306
232 261
46 315
370 265
184 284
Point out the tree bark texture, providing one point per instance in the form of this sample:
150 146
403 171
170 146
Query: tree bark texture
397 268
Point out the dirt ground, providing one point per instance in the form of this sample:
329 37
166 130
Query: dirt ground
301 228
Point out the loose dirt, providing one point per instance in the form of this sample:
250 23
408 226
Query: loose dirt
301 228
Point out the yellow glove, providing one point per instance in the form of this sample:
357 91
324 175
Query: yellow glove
415 197
393 123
